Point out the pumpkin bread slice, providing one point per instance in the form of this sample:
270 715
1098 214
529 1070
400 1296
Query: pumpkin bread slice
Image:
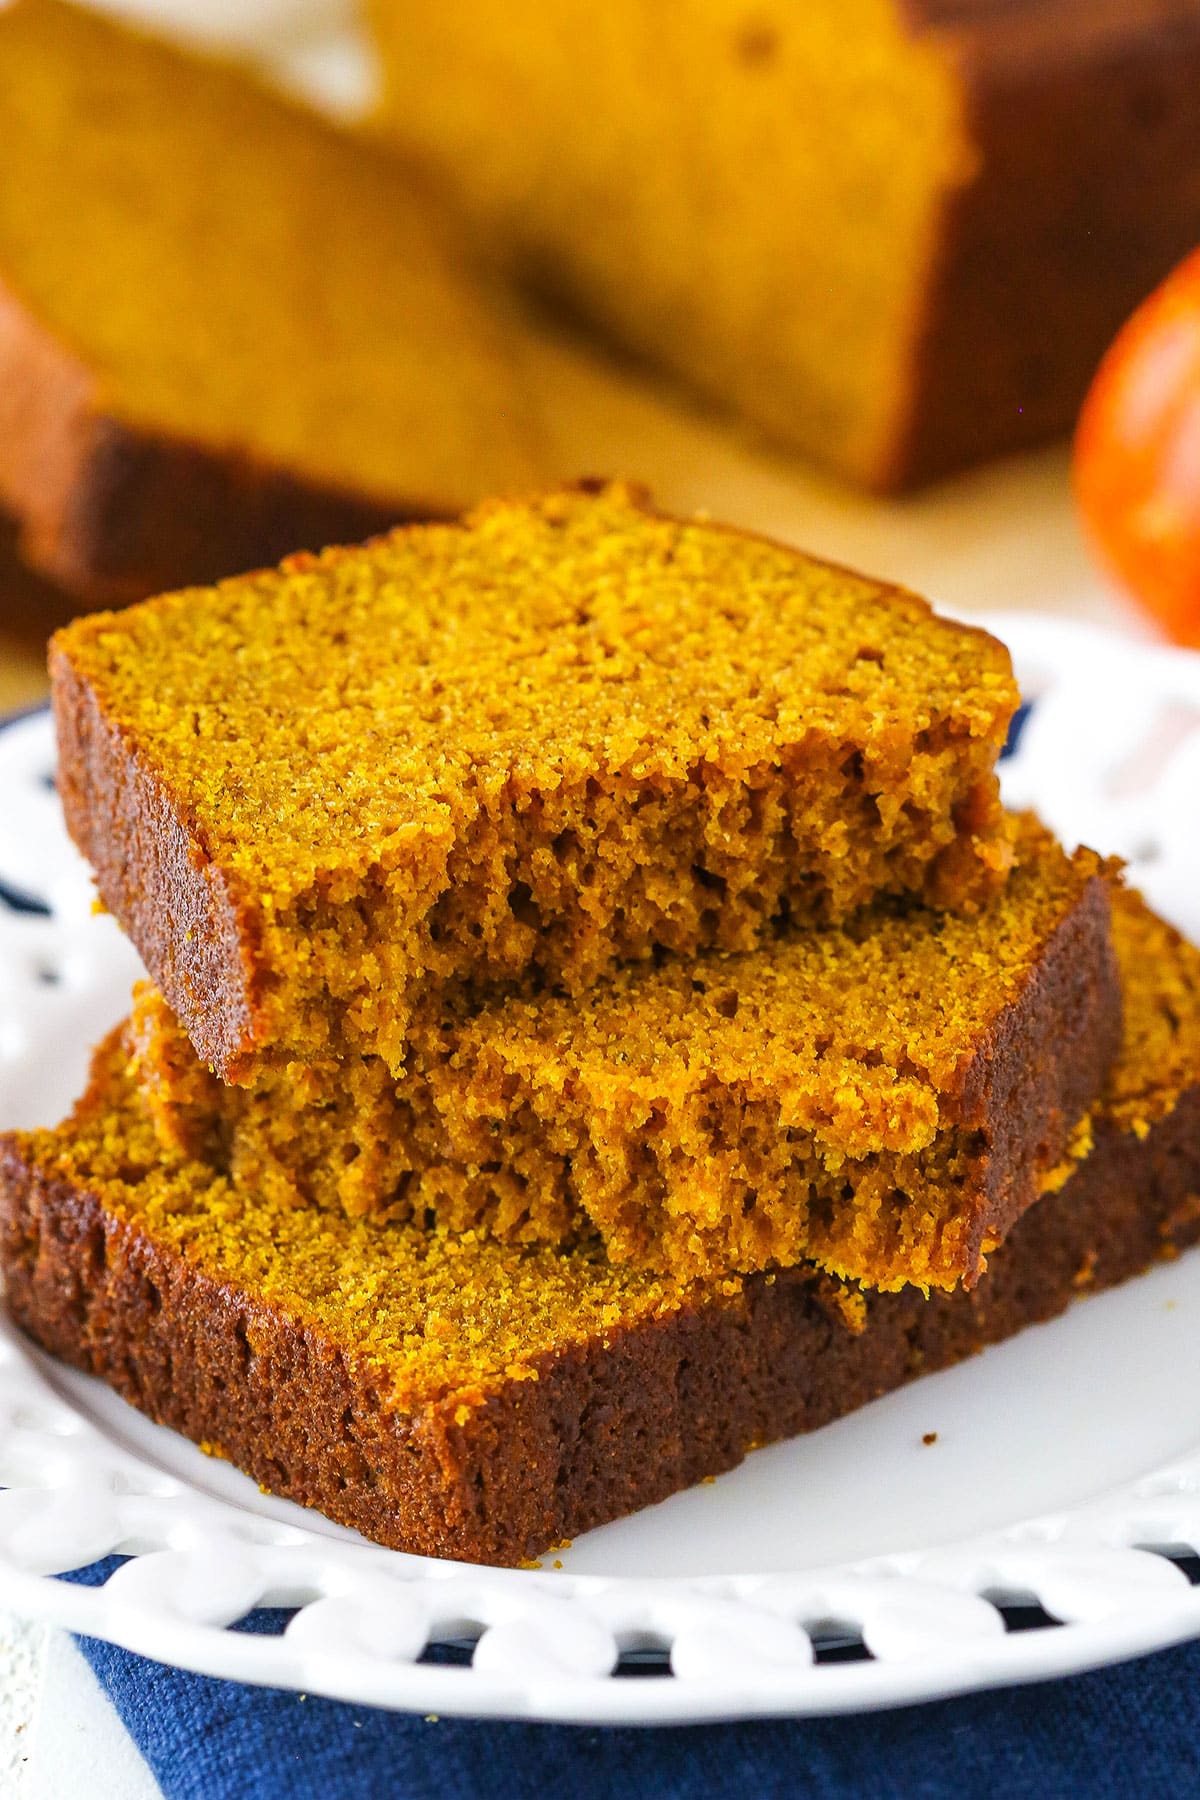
329 800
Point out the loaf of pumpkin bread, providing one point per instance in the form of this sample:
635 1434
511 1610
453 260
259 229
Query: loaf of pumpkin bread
896 234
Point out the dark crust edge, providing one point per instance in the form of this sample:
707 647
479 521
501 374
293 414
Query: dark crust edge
196 932
30 606
114 512
1032 278
608 1427
1043 1064
190 926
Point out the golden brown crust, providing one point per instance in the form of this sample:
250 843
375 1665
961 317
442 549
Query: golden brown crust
608 1427
113 513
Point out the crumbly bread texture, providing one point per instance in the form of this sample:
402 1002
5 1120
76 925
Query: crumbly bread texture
481 1401
882 1099
569 732
227 330
897 234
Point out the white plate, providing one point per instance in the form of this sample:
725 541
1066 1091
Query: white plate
1064 1462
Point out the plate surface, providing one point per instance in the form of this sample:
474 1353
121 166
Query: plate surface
858 1567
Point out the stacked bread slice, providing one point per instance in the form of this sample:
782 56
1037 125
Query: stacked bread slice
602 1020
